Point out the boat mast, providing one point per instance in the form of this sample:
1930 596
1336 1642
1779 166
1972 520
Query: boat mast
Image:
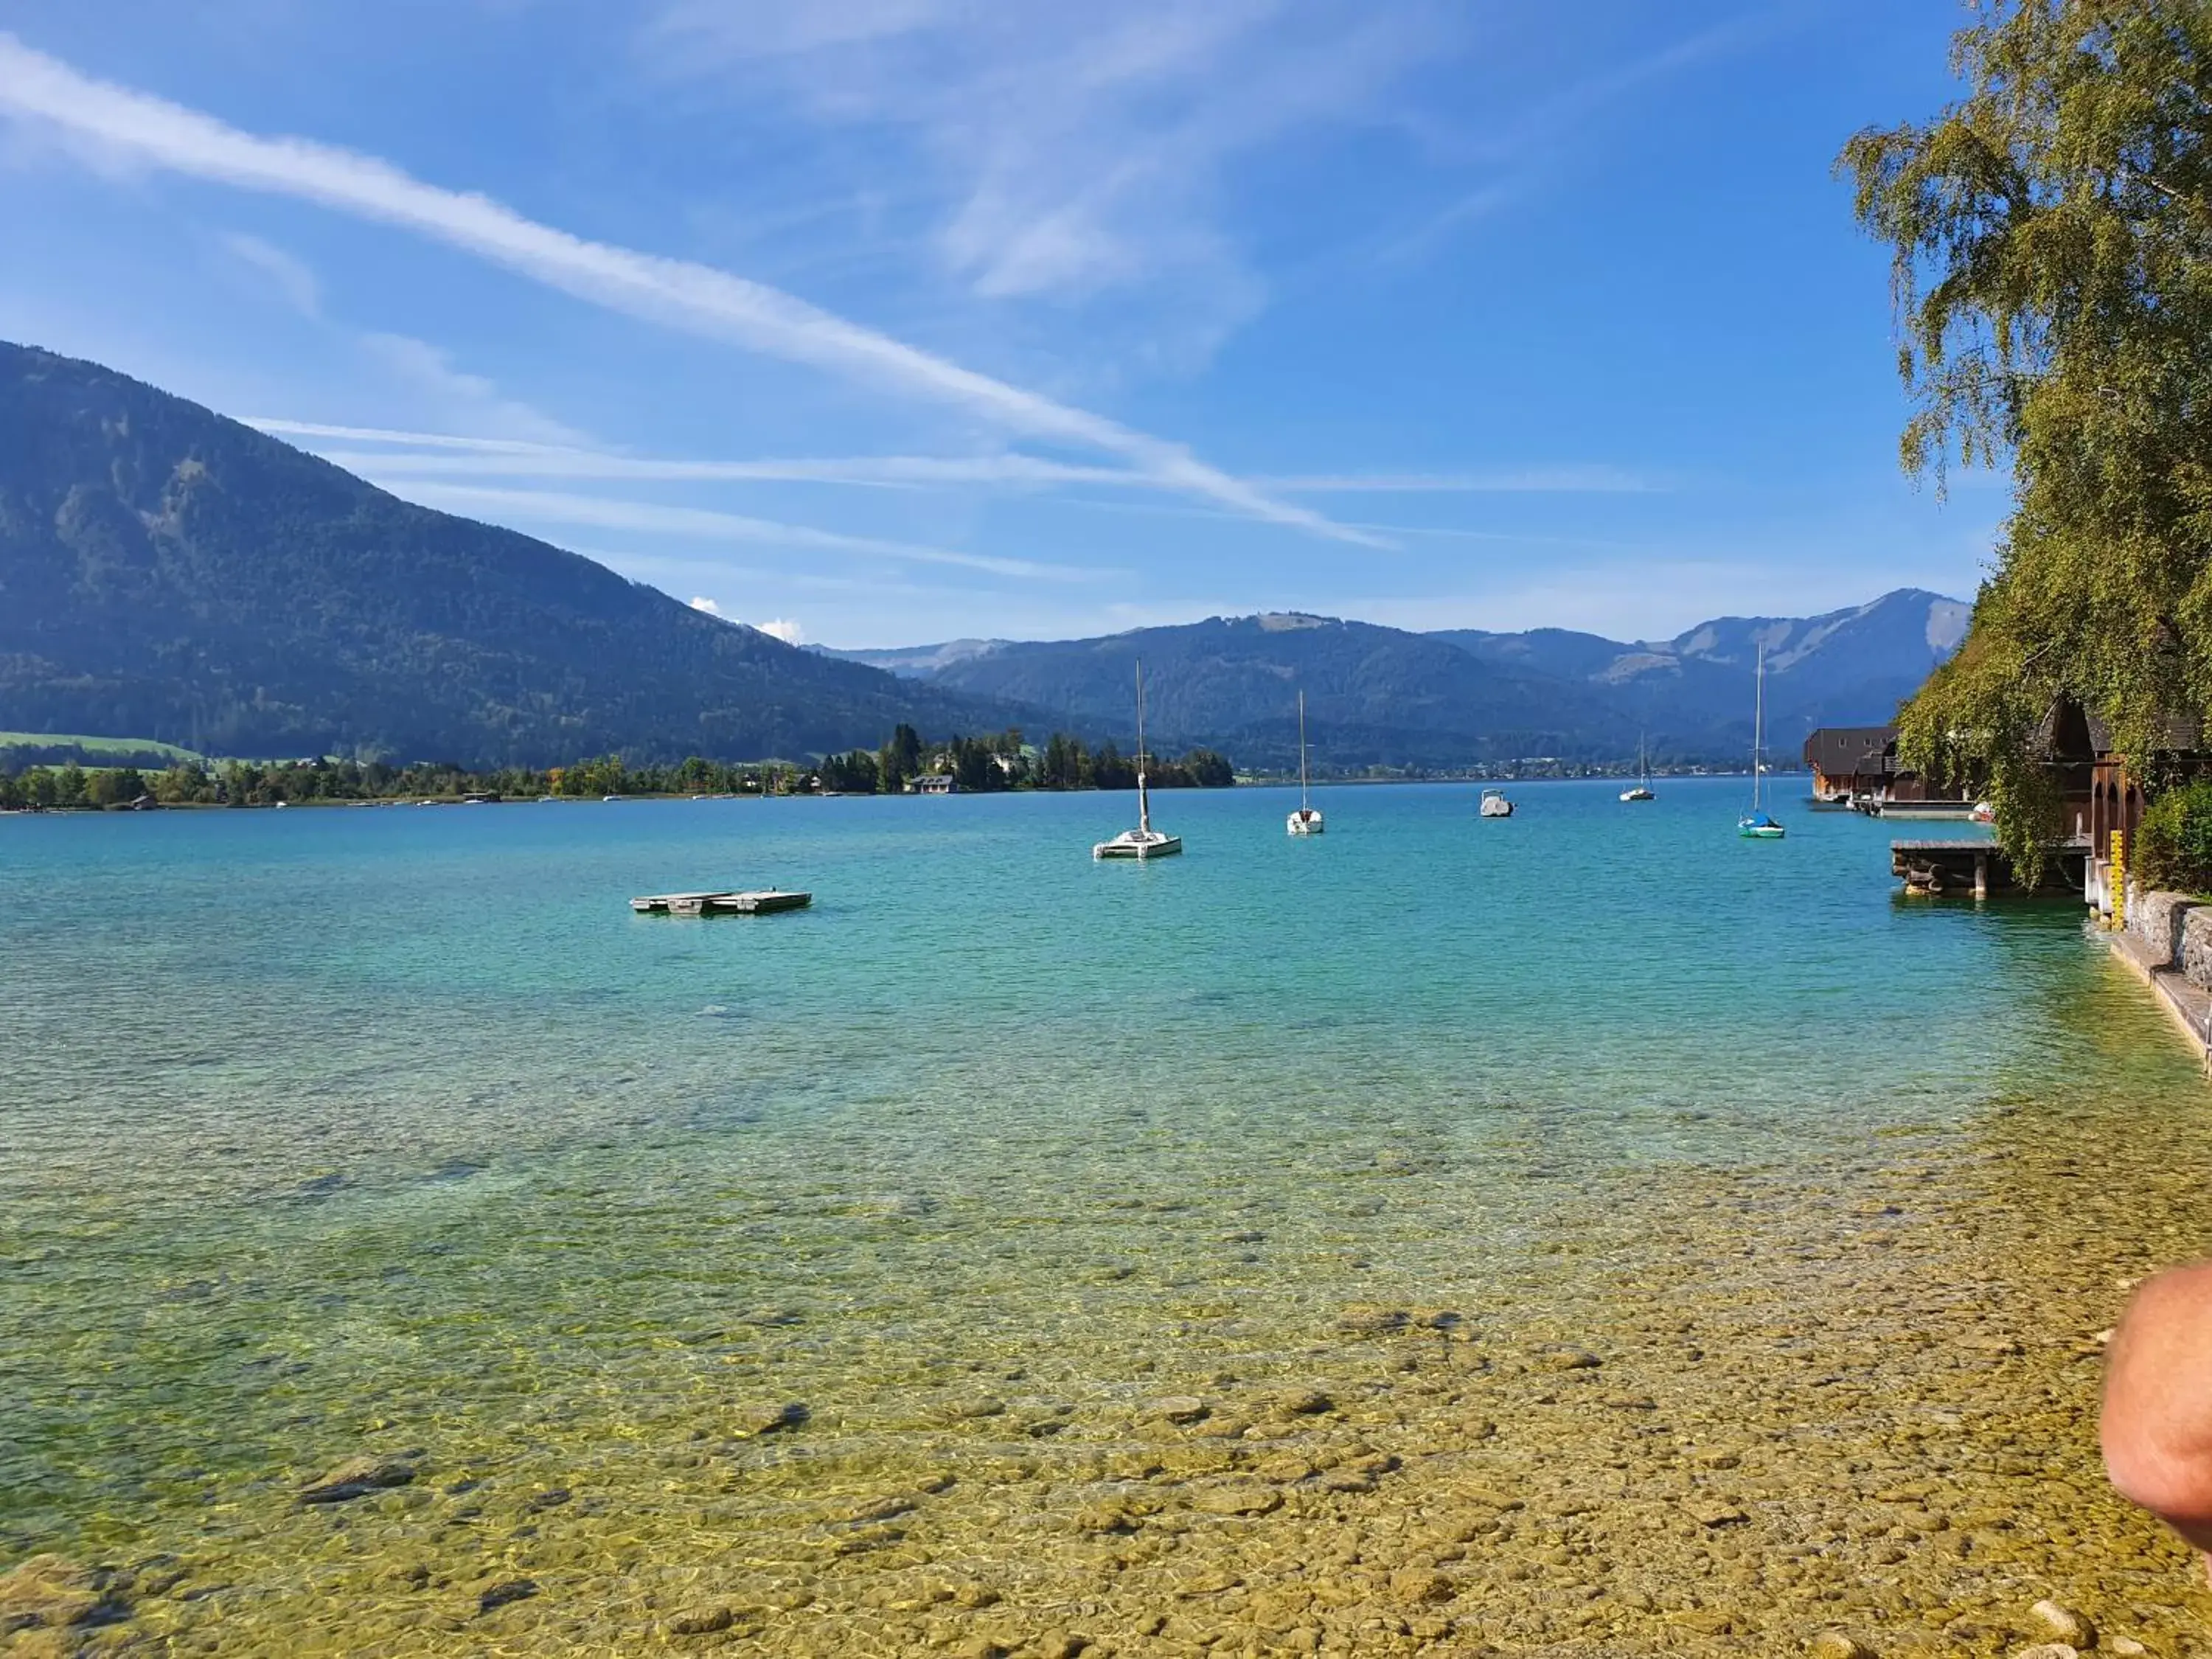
1144 805
1758 726
1303 804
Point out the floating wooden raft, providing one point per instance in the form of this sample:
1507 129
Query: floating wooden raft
717 904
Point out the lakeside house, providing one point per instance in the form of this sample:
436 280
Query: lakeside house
1858 766
2105 796
934 783
1850 761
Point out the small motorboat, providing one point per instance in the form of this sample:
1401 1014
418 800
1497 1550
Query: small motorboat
1495 806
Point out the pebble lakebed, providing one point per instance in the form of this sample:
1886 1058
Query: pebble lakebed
1702 1411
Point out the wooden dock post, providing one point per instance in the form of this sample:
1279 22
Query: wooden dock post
1981 875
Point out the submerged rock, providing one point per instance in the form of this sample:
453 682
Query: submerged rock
1713 1512
1238 1498
54 1592
756 1417
1837 1645
1173 1408
2062 1624
1421 1584
703 1621
356 1478
1563 1357
1370 1319
506 1591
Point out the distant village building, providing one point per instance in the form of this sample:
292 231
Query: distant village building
935 783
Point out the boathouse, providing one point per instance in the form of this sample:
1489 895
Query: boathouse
1858 766
2105 796
1850 761
935 783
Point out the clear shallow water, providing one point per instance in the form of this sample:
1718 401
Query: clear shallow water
392 1131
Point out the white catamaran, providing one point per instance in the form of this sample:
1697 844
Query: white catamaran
1756 824
1144 841
1307 820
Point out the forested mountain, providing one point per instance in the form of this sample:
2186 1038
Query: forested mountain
1380 696
1376 697
168 574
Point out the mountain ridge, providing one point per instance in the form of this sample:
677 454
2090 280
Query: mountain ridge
168 572
1691 695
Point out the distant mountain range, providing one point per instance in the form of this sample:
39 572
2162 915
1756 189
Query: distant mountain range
169 575
1385 697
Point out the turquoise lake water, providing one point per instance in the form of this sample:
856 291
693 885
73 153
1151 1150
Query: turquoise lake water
393 1128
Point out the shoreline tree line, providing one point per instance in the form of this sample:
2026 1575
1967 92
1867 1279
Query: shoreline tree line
987 763
2049 236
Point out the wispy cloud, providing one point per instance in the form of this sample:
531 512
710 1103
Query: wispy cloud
420 454
1536 480
877 471
291 277
115 121
1075 156
371 434
606 512
1529 144
471 399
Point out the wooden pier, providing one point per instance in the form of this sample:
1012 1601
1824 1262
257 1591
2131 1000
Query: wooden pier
760 902
1950 867
1979 866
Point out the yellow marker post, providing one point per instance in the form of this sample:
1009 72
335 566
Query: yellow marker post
2117 881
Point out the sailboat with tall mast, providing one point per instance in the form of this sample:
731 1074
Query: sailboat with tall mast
1642 790
1144 841
1756 824
1307 820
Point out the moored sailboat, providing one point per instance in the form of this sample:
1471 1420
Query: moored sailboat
1307 820
1144 841
1757 824
1642 790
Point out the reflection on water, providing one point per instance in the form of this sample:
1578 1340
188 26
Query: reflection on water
1588 1230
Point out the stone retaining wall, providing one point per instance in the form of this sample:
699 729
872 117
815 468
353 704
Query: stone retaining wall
2176 929
2195 959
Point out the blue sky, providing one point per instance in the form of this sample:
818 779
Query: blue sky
886 321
